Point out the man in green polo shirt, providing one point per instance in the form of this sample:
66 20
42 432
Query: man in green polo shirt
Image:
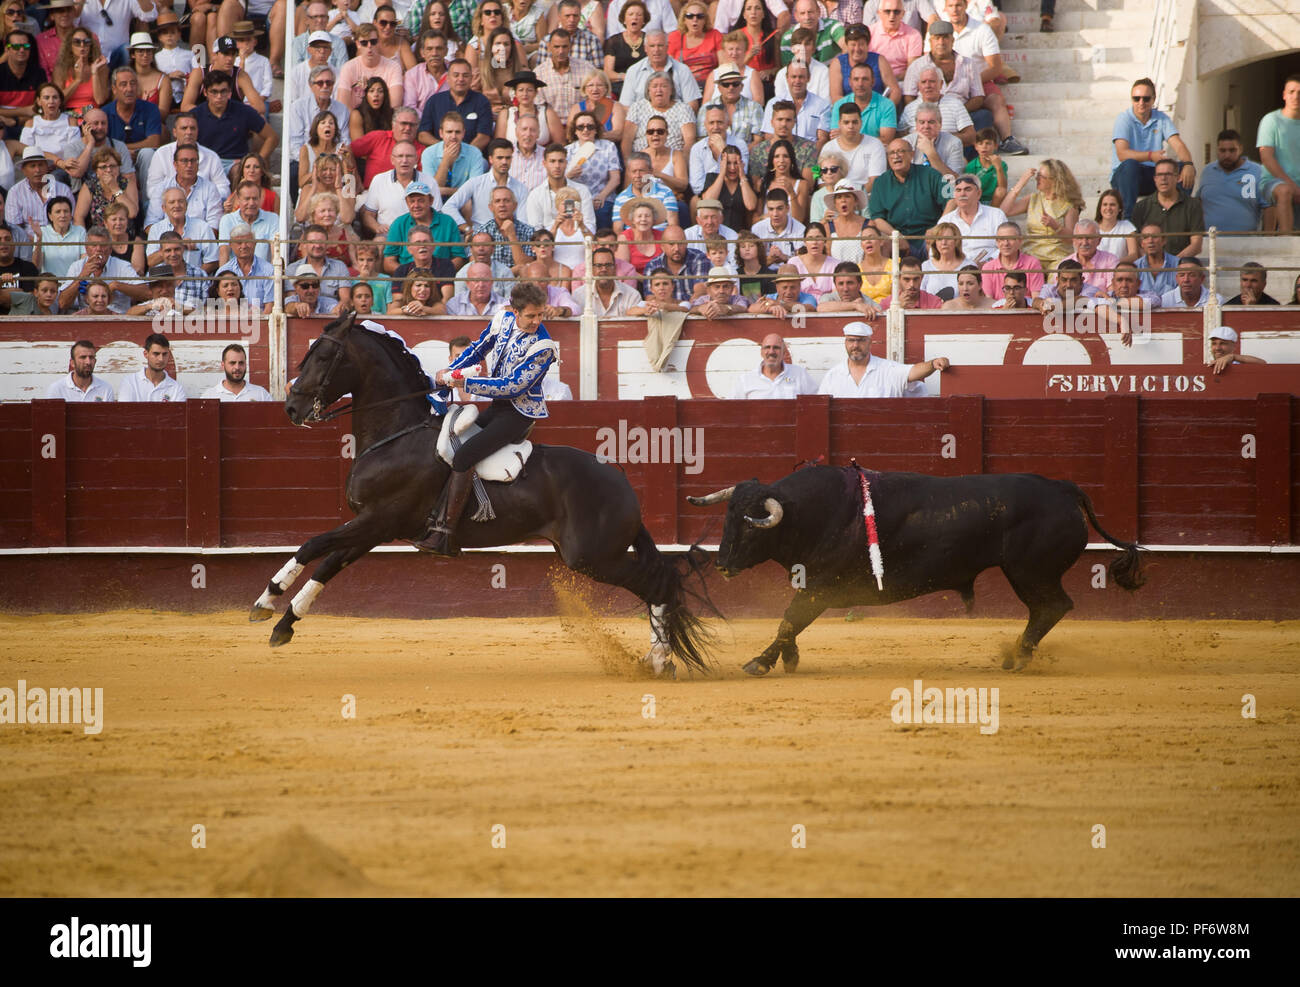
419 205
830 33
906 198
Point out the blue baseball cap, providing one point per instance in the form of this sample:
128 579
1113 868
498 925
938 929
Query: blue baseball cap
418 188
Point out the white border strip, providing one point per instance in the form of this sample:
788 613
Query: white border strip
548 550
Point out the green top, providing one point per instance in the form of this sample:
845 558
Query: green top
988 178
913 206
829 35
444 230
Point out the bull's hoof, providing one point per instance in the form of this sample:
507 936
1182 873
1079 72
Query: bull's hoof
755 667
1008 663
1023 659
259 614
281 636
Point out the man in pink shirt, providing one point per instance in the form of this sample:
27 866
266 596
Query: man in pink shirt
1011 258
1098 265
910 295
63 21
352 80
897 43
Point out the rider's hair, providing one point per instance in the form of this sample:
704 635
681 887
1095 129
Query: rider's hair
525 293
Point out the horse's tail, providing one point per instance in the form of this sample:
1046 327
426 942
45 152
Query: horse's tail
660 582
1125 570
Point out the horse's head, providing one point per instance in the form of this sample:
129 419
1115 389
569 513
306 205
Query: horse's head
326 373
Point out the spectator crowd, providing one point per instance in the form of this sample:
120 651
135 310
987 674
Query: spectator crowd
727 157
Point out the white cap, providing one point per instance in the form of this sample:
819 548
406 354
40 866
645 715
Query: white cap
1224 333
323 37
857 329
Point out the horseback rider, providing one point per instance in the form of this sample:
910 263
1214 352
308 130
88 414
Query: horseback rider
507 364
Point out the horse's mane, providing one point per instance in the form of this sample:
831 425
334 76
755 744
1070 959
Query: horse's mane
402 357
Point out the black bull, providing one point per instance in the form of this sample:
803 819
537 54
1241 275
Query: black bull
935 533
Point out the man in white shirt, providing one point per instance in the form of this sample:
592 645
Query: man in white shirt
782 233
80 384
153 383
97 262
706 155
865 154
774 378
976 40
975 219
110 22
811 112
385 200
657 60
233 386
612 298
1191 291
162 167
203 199
539 207
249 212
474 198
862 376
803 42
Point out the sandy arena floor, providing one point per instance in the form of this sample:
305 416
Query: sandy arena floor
537 726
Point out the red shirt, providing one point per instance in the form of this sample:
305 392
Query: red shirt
377 148
638 257
702 59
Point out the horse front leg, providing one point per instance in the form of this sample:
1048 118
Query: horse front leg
344 536
801 612
334 563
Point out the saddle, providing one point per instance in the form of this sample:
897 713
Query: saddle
502 466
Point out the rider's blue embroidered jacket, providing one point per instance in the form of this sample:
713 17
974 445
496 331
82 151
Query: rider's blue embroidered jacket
515 362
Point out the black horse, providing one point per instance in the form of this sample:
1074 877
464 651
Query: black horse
585 508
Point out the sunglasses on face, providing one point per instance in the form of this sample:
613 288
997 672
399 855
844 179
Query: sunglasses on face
81 42
694 17
494 12
656 132
1143 99
323 82
367 42
385 23
592 126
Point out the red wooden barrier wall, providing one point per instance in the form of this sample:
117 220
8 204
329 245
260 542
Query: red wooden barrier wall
1168 471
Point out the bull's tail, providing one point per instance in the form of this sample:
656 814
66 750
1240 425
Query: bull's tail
1125 570
661 582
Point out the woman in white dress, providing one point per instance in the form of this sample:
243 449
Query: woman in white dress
1118 235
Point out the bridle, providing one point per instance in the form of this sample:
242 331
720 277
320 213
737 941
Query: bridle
318 414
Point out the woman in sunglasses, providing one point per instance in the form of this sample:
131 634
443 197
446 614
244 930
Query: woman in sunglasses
594 162
668 164
832 167
81 72
390 45
695 43
491 16
598 99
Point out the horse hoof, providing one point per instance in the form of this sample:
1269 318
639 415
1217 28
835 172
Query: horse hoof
756 668
1023 660
669 672
1008 663
259 614
281 636
790 665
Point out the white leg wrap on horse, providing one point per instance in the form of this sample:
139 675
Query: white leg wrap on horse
289 574
658 636
266 601
306 597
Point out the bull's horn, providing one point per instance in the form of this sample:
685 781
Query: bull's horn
774 514
714 498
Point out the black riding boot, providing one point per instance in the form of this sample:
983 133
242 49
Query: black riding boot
441 541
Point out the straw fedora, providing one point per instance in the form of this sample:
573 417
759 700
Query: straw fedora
631 205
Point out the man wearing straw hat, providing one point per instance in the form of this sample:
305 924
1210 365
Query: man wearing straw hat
787 299
62 21
720 299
